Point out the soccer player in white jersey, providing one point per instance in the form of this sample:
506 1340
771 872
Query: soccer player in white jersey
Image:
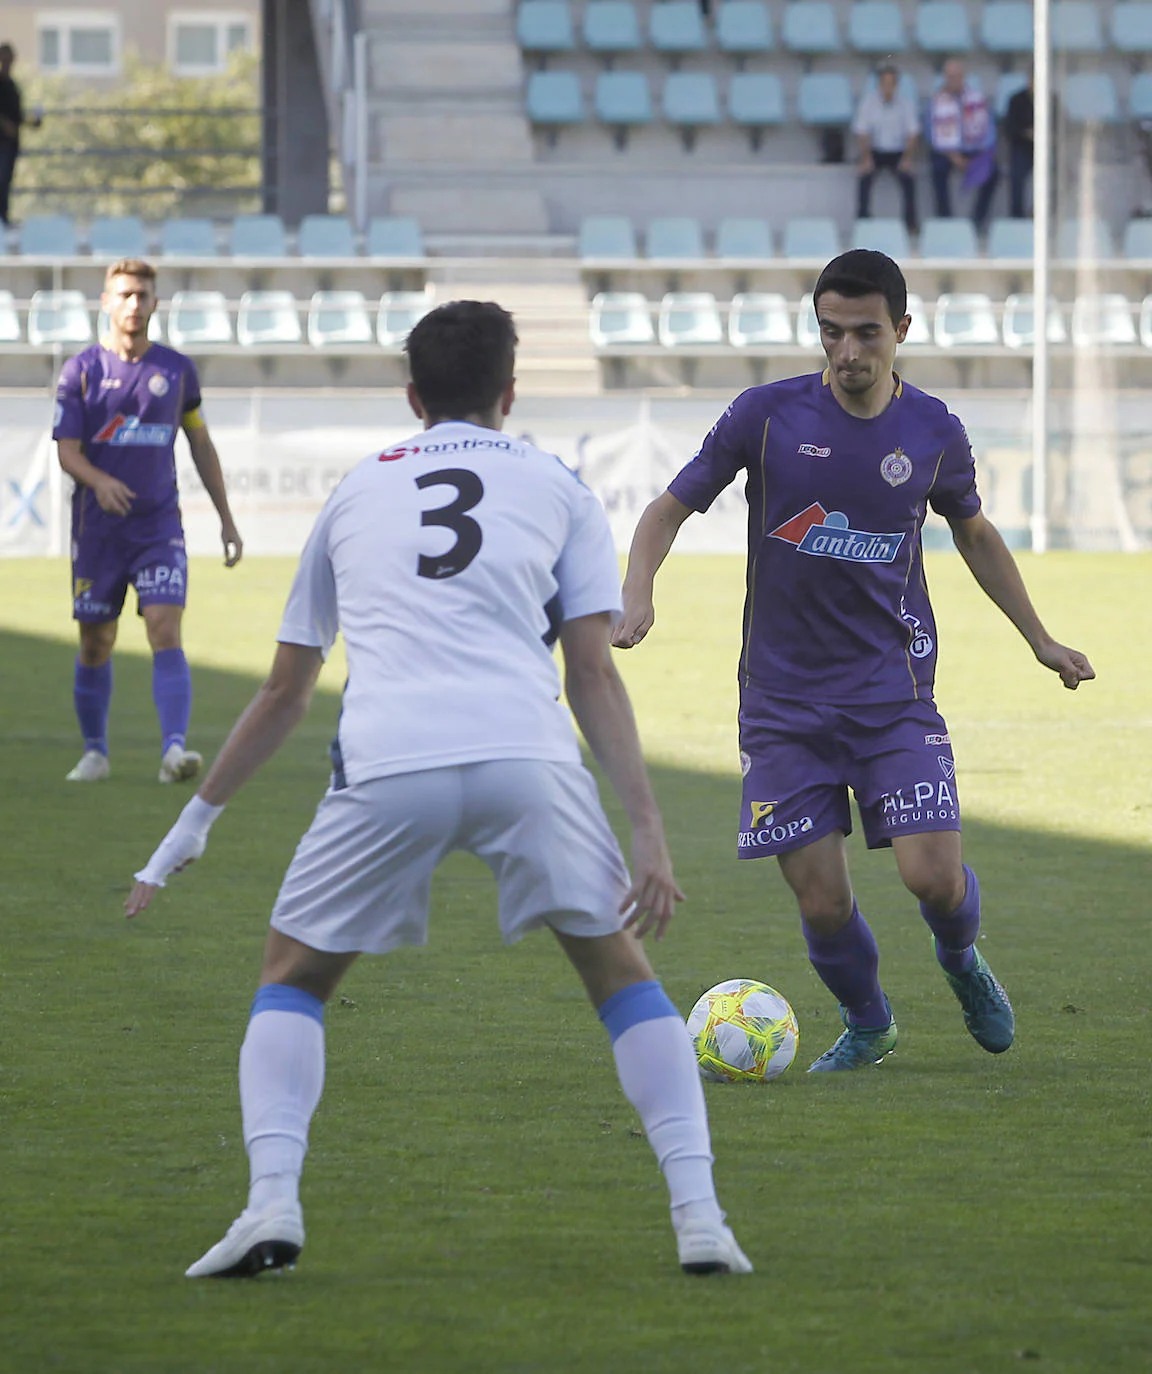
451 563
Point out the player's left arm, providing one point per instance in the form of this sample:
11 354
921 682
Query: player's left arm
991 563
207 462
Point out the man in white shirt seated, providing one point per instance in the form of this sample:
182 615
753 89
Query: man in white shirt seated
887 129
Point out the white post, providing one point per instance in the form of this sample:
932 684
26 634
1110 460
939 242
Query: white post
1041 220
360 70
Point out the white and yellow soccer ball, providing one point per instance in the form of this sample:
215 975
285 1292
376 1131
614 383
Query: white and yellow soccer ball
743 1032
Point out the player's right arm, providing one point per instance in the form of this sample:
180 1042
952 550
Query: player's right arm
112 495
654 537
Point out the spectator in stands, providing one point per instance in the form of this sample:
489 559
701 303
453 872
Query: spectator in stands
887 128
962 135
11 118
1018 129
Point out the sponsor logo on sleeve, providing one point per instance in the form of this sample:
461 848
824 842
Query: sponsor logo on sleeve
937 739
828 534
814 451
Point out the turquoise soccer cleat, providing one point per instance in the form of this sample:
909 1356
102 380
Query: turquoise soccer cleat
987 1010
858 1047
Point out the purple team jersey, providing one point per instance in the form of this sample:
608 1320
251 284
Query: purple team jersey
837 607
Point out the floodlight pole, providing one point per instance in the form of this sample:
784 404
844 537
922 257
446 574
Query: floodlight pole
1041 222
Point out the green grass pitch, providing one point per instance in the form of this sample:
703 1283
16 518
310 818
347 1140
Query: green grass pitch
478 1197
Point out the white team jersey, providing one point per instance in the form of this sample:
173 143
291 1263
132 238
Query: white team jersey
448 563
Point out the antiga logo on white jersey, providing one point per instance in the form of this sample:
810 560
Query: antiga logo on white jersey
813 451
451 446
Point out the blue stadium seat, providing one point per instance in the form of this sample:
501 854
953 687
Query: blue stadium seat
607 238
1007 84
1101 320
611 26
199 317
948 238
188 238
1090 98
554 99
883 236
623 100
1010 238
396 237
1076 26
620 317
1140 96
675 237
825 98
965 318
807 325
809 27
48 236
677 26
689 317
326 236
942 27
338 317
919 329
1084 239
1006 26
118 236
9 320
397 313
759 317
1137 242
1132 28
267 317
744 27
691 100
811 238
544 27
876 27
756 101
58 317
1146 322
747 239
1019 322
258 236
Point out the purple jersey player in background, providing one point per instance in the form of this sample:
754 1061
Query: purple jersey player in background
840 643
119 405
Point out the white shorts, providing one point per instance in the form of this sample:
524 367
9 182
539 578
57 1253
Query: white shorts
361 876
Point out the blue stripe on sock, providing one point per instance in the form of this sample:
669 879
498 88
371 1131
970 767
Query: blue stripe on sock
639 1002
282 997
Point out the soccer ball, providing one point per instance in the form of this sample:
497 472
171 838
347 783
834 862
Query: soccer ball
743 1032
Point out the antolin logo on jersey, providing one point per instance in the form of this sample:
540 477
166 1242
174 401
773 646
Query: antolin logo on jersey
827 534
127 429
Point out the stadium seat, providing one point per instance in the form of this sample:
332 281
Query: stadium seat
1076 26
883 235
825 98
326 236
611 27
807 325
1140 96
258 236
1132 28
744 27
876 27
691 101
398 312
676 27
9 320
948 238
809 28
338 317
199 317
1102 319
554 99
1090 98
919 329
607 238
747 239
942 27
544 27
811 238
1006 27
1146 322
188 238
759 317
673 238
267 317
1019 323
1137 242
118 236
620 317
396 237
1084 239
689 317
1010 238
755 101
965 318
623 100
58 317
48 236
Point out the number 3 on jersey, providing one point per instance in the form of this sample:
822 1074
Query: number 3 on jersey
453 516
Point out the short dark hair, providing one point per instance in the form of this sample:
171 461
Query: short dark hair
864 272
461 357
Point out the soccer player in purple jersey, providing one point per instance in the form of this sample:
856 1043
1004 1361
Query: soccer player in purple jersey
119 405
839 649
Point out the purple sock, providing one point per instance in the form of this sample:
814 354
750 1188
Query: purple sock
847 963
92 694
956 932
172 693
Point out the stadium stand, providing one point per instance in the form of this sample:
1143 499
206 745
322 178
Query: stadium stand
554 99
395 237
1131 28
746 240
607 238
120 236
326 236
1103 318
9 319
811 239
1019 321
338 317
691 101
756 102
948 238
883 236
620 317
197 318
810 28
397 313
943 28
1146 321
676 27
259 236
676 238
689 317
1076 27
744 29
544 28
611 27
1006 27
965 318
267 317
59 317
48 236
876 27
188 238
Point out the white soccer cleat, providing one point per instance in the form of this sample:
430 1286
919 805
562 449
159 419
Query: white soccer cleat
256 1243
179 764
93 767
709 1248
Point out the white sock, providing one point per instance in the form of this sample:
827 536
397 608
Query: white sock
660 1077
281 1079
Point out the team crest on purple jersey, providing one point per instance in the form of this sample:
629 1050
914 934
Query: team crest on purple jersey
827 534
896 468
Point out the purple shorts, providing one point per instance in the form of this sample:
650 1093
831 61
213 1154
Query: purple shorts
800 758
104 566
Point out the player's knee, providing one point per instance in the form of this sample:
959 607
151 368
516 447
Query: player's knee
941 889
96 645
826 913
